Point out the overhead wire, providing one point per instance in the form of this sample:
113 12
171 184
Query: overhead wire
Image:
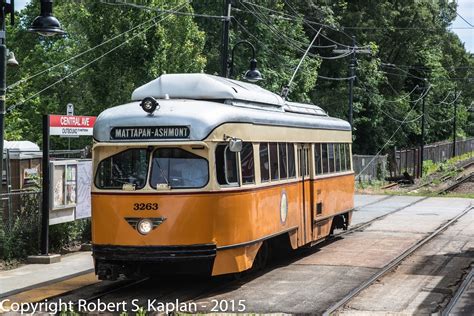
387 142
148 8
11 108
308 22
337 79
292 43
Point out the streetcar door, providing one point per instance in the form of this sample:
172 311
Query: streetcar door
305 185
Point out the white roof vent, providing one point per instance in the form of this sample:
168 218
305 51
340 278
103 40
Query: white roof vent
204 87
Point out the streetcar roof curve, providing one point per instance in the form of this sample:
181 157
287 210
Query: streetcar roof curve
202 117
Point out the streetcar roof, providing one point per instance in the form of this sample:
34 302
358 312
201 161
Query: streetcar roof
203 102
199 86
202 117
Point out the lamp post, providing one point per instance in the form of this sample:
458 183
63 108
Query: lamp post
252 75
45 24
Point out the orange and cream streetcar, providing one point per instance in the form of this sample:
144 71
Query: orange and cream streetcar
202 174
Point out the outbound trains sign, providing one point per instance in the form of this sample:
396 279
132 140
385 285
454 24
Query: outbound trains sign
150 132
70 125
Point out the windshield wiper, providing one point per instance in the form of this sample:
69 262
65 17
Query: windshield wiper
162 174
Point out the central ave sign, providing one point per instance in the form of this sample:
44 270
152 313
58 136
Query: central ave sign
69 125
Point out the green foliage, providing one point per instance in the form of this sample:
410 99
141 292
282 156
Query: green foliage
429 167
412 35
22 238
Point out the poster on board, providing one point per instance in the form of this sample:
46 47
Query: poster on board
84 182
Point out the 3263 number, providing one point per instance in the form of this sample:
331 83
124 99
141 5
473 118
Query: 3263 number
145 206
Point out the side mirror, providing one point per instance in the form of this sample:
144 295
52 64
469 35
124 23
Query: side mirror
235 145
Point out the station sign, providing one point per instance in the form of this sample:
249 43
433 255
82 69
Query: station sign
71 125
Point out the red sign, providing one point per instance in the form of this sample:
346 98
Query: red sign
70 125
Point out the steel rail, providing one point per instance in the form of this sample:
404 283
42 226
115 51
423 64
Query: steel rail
459 293
393 263
457 183
115 289
368 223
374 202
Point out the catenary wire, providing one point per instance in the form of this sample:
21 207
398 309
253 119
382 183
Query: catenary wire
148 8
387 142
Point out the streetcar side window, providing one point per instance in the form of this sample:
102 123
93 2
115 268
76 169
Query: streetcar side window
283 160
127 167
348 156
247 164
324 155
331 157
291 161
226 166
317 158
274 161
178 168
337 154
264 163
343 157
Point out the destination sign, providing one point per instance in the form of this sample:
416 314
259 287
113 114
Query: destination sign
150 132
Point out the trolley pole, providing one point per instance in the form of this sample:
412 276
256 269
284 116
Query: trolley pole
454 122
225 39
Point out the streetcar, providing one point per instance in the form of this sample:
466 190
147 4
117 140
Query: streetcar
203 174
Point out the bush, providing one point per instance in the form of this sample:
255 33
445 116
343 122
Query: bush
24 236
23 239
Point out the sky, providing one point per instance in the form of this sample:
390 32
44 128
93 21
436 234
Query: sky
461 28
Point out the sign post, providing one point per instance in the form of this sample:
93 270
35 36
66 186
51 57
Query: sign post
45 202
61 125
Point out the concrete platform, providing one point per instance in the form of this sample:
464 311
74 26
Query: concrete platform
34 275
44 259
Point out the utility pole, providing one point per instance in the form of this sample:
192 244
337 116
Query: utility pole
352 66
422 149
5 9
454 122
225 38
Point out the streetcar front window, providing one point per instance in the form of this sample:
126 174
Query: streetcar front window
129 167
178 168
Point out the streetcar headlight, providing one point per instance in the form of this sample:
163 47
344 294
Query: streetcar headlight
145 226
149 105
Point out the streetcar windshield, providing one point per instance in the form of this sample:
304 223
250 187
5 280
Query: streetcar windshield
128 167
178 168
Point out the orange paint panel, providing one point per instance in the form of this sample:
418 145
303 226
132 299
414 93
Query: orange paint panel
223 218
235 260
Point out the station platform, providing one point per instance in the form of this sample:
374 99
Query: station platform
29 276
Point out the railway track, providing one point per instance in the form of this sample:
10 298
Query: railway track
124 285
469 178
453 303
363 225
207 289
392 264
